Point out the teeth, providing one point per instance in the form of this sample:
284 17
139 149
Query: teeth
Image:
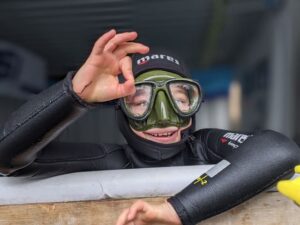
162 134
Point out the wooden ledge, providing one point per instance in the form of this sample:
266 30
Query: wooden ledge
266 209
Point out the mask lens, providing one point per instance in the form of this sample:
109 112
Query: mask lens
185 96
137 105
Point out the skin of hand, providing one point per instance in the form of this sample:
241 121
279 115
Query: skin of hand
142 213
97 79
291 188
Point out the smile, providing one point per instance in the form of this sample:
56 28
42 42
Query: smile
166 134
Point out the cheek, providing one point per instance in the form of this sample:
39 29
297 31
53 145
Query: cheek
138 133
178 136
187 126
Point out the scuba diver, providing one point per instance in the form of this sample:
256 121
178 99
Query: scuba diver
155 108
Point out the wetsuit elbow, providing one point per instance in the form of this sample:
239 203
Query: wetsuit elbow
281 149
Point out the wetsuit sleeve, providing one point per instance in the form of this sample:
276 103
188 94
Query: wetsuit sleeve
246 165
37 123
61 158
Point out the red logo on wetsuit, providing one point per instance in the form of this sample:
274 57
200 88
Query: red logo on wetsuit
223 140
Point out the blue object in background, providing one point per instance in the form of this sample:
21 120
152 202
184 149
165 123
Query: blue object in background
214 81
273 4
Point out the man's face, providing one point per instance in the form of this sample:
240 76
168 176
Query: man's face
163 125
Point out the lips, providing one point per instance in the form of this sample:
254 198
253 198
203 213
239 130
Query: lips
167 134
162 135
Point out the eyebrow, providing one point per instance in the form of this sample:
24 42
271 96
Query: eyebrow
181 91
139 92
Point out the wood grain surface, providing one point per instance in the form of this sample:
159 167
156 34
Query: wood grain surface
265 209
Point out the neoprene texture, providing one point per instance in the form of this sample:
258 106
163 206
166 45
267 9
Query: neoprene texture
246 163
158 59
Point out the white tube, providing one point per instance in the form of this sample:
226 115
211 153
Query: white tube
129 183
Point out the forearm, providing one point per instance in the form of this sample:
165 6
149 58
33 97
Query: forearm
37 123
250 169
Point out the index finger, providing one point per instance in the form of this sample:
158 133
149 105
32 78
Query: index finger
119 39
102 41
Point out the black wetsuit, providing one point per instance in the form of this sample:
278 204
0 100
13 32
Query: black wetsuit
246 163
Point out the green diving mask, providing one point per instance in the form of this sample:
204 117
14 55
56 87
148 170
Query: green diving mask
162 99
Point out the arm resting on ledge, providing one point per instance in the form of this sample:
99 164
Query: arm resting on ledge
258 163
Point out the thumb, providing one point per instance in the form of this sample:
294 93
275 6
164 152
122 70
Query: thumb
128 87
125 89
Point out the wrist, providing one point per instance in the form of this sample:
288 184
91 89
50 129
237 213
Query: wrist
68 86
79 87
169 215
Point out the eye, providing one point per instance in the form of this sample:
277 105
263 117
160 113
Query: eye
181 101
140 104
138 107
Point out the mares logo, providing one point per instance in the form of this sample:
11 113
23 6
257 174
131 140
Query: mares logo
147 58
233 139
240 138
